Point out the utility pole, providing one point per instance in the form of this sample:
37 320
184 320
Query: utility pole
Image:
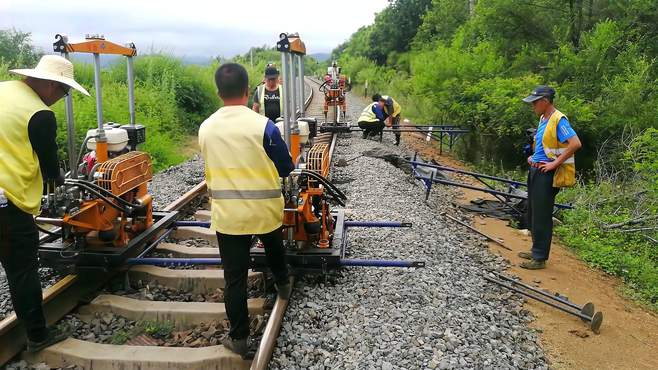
471 7
251 57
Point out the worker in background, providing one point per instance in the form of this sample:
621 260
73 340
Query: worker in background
372 119
245 157
392 112
28 155
552 167
267 97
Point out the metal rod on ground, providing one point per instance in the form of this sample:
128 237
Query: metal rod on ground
478 232
583 309
376 224
153 261
594 320
504 194
474 174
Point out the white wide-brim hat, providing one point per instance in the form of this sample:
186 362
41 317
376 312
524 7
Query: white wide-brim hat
54 68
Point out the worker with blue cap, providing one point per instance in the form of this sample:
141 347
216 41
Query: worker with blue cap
552 166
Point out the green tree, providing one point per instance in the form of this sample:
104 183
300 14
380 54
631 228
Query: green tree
16 49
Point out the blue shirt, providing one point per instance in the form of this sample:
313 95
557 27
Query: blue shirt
564 133
378 111
277 150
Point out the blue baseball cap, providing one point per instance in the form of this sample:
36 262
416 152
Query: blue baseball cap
540 92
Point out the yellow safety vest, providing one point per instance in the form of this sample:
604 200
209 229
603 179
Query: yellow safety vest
20 173
565 175
243 182
368 115
261 100
397 109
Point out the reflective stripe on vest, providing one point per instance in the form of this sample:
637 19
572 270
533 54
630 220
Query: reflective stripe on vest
368 115
243 182
261 100
20 174
565 175
397 109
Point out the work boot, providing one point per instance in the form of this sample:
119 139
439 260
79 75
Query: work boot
525 255
55 335
284 290
534 264
237 346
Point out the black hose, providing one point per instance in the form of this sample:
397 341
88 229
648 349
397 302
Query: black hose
103 191
101 196
74 171
326 182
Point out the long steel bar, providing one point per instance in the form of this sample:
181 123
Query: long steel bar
478 232
206 224
529 287
99 96
376 224
474 174
540 299
504 194
285 98
70 131
155 261
131 89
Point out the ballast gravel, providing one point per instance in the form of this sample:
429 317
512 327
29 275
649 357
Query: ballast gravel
443 316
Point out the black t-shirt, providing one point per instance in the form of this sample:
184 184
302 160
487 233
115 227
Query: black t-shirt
272 103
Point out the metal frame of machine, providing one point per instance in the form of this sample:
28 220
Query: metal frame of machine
334 88
106 215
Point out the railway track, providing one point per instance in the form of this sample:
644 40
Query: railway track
146 345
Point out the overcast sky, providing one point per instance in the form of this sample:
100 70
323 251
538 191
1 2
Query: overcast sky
191 28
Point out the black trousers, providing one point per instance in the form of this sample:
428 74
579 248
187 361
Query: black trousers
234 250
541 200
371 128
19 248
396 125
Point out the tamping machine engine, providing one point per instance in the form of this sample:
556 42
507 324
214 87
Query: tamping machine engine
334 87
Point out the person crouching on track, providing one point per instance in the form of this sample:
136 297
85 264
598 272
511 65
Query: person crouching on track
28 153
552 167
267 97
392 112
245 157
372 119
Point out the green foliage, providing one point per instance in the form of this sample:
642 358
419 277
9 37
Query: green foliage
171 98
156 329
16 50
473 69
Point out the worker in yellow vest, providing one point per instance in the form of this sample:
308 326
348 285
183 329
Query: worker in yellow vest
392 112
28 150
372 118
245 157
267 97
552 166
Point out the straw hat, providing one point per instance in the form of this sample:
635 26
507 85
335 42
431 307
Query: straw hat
54 68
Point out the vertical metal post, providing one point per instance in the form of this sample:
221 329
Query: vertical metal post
291 87
300 72
70 131
284 92
131 90
99 98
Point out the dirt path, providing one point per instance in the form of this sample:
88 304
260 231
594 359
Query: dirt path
629 334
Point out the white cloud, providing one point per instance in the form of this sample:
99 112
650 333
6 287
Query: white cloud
191 27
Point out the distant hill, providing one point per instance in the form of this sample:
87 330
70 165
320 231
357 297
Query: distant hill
320 57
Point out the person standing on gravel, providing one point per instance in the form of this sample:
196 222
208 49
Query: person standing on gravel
372 119
552 166
392 112
245 157
267 97
28 152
